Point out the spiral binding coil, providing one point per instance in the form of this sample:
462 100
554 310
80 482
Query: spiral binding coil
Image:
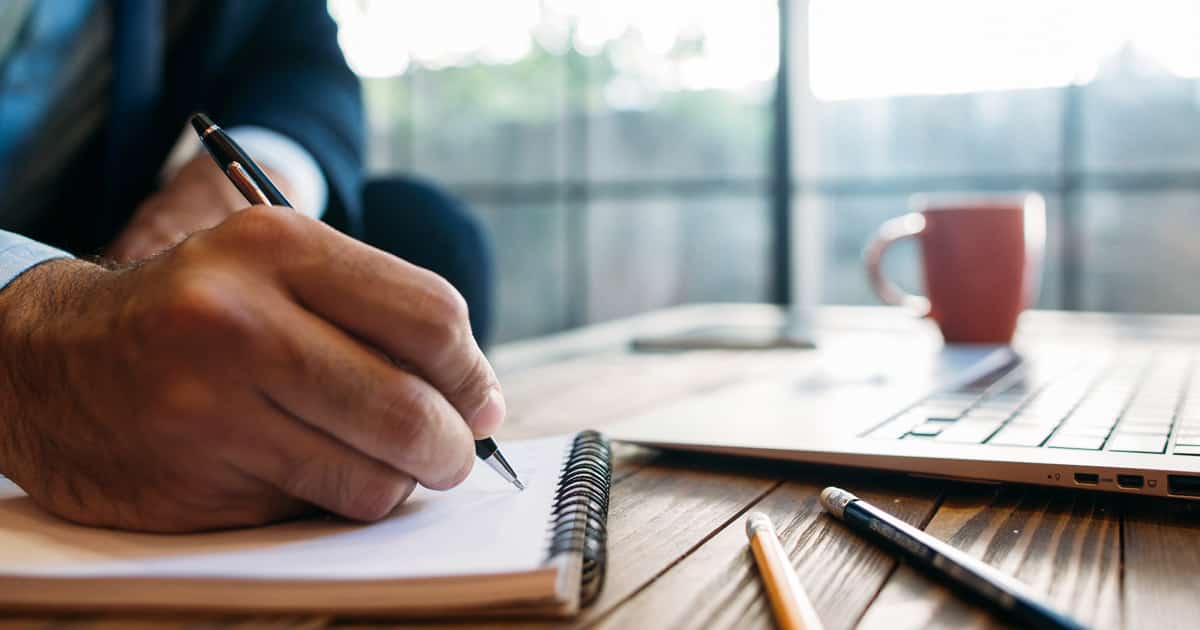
580 514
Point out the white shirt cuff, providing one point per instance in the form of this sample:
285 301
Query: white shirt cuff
271 149
19 254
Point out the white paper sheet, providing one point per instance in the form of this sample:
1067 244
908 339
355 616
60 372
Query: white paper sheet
483 526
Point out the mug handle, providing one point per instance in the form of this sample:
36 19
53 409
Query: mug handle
908 226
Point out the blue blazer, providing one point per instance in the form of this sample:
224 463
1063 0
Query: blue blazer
271 63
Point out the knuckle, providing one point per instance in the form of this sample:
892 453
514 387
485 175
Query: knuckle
194 307
446 311
410 410
475 381
189 300
426 437
377 495
320 481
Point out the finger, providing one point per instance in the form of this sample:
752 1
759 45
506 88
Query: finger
343 388
410 313
313 467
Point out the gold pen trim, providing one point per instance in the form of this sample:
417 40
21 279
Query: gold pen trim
250 190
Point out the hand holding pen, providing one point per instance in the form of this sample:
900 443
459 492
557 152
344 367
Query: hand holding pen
258 189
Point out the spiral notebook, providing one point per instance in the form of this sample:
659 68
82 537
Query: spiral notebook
482 548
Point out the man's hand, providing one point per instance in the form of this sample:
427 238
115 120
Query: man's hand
242 377
197 198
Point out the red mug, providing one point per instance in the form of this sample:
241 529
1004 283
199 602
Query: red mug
982 258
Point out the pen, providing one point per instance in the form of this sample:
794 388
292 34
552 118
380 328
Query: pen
237 165
793 610
257 188
972 576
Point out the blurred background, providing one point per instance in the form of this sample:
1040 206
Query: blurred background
625 157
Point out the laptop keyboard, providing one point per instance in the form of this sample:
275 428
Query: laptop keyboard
1134 403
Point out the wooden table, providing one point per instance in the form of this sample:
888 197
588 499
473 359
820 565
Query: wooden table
677 551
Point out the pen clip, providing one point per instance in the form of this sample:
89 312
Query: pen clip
249 189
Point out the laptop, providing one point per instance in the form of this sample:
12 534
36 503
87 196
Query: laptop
1110 416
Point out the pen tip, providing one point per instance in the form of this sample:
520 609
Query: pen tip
518 484
201 122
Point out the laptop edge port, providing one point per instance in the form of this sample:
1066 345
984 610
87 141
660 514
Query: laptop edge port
1183 485
1091 479
1130 481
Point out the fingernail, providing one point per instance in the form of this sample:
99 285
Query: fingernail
491 415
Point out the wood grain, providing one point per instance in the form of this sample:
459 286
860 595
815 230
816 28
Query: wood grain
661 513
1064 545
677 550
717 586
1162 562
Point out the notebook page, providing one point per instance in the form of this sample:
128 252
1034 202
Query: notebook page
483 526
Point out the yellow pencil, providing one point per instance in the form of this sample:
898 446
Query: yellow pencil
793 610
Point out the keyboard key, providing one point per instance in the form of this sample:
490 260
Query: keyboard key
937 414
1081 442
952 398
1056 410
1132 443
1106 420
1145 428
930 429
1031 420
997 406
1188 437
1084 431
1187 450
969 431
1021 436
895 428
987 414
1007 398
1146 419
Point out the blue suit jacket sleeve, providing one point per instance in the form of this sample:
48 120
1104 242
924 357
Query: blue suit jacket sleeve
290 76
19 254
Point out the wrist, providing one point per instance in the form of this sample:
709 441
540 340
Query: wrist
31 309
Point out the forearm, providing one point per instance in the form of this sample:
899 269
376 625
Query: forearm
30 307
19 258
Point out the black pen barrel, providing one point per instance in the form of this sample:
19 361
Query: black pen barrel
225 151
956 568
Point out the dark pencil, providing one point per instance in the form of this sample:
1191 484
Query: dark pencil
963 572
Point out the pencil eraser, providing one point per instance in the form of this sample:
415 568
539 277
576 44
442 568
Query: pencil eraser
835 500
756 521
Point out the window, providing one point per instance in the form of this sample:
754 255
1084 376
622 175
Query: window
620 151
1093 103
616 150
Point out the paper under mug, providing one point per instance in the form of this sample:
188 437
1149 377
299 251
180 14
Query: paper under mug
982 258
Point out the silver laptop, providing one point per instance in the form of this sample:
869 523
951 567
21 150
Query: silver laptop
1118 417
